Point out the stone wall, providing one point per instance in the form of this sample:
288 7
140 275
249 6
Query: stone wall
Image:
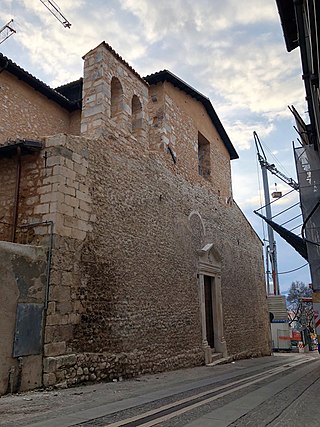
124 278
104 70
25 113
52 188
129 290
176 119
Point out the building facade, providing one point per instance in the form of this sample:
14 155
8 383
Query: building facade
300 21
126 182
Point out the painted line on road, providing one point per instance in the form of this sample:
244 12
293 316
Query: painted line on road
140 420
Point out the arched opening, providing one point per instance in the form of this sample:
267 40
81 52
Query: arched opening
136 110
116 97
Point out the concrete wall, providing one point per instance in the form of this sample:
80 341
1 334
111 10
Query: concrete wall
25 113
22 281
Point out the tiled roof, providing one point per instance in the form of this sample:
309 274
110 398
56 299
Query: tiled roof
72 90
26 146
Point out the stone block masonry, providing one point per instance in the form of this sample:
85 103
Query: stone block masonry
53 188
109 92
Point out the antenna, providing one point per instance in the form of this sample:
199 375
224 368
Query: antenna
56 12
6 31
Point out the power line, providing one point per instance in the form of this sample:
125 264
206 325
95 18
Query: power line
56 12
296 269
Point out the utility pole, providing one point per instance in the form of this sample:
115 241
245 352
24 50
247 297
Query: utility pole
6 31
271 249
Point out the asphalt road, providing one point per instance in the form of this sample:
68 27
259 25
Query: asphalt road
281 390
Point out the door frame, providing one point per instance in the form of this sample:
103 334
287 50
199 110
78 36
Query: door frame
210 265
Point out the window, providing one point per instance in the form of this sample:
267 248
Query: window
136 110
116 97
204 166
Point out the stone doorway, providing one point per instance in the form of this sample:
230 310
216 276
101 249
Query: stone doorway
209 274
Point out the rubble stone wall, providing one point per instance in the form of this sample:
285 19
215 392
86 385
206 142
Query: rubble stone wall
176 119
124 281
127 294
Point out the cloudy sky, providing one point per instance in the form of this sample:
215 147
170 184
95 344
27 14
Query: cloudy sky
231 51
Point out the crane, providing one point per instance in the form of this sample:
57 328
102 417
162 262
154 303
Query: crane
270 167
6 31
271 250
56 12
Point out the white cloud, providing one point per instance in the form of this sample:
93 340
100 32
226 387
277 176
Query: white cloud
210 43
159 18
241 133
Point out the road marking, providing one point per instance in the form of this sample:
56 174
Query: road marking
255 378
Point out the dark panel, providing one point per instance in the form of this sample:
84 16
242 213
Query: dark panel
28 334
209 311
289 24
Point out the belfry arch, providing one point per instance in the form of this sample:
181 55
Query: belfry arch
116 97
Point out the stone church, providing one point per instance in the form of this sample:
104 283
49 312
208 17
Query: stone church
122 250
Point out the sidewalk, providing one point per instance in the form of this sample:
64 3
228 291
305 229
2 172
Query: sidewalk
98 399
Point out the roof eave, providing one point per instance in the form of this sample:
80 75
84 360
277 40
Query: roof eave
27 147
288 23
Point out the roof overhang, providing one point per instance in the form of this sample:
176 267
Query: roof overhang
289 23
26 146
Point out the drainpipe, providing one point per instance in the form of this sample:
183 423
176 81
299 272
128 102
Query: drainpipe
16 196
46 296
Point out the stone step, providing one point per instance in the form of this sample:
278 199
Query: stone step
215 359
